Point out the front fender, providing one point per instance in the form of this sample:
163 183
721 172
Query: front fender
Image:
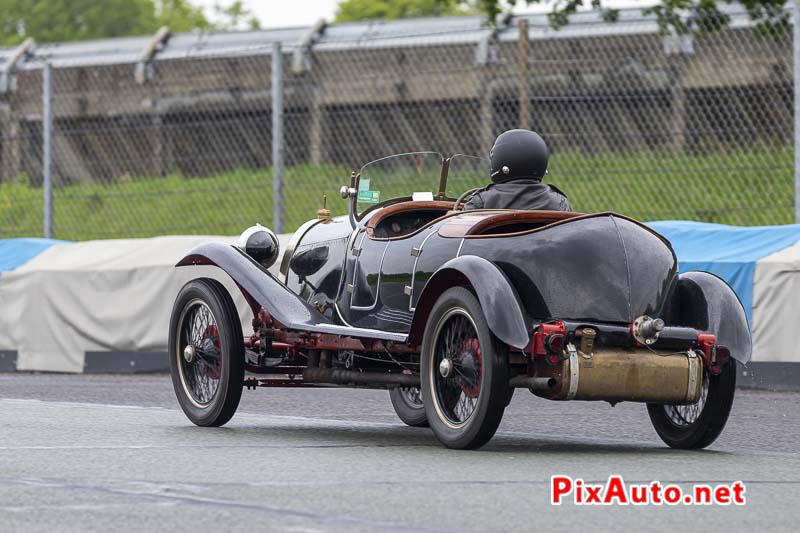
281 303
707 303
498 298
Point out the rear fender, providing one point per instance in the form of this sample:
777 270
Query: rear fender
255 282
707 303
498 298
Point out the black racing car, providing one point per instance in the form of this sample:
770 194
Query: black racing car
452 311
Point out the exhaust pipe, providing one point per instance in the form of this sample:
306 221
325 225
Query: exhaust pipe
527 382
341 376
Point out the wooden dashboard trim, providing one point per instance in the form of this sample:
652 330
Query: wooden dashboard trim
373 222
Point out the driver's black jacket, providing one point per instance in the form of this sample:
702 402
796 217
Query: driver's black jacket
524 193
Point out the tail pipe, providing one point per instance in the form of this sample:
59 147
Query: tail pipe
533 383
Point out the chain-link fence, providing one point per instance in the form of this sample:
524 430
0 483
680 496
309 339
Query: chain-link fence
650 125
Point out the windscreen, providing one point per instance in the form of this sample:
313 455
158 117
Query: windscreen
466 172
398 176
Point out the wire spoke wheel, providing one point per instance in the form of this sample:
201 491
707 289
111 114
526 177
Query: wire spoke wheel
409 406
457 348
412 395
199 352
697 425
206 352
463 372
686 415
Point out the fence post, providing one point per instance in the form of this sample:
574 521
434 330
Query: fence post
522 62
47 141
277 138
796 58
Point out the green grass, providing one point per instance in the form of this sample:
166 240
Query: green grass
141 207
748 187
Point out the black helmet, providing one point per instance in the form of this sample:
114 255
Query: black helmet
518 154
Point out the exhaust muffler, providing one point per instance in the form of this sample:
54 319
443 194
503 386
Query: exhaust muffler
616 375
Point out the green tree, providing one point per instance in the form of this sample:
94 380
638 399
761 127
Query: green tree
73 20
236 16
78 20
180 16
354 10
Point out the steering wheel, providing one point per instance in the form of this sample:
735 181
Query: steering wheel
469 192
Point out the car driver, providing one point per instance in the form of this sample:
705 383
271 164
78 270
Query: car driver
518 164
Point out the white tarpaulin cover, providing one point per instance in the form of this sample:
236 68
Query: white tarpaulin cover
97 296
776 297
761 263
116 296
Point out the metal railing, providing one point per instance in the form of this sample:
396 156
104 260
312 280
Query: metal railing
208 142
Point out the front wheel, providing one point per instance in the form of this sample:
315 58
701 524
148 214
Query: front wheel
697 425
206 353
464 372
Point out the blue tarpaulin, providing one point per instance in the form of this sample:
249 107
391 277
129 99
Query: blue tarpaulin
16 252
730 252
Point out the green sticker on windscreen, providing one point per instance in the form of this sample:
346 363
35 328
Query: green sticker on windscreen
369 197
363 184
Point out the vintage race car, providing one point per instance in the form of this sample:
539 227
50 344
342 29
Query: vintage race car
453 310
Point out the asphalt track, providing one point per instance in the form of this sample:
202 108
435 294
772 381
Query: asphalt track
102 453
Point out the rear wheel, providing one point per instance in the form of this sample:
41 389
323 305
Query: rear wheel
407 403
697 425
206 352
464 372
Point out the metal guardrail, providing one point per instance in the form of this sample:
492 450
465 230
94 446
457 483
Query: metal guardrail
185 133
